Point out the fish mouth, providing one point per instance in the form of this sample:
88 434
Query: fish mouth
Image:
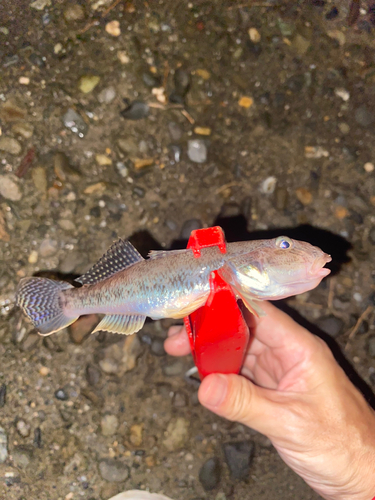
318 269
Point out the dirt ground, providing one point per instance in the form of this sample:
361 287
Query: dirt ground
145 120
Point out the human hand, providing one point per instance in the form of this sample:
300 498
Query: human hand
293 391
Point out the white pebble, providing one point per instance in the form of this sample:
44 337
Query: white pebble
24 80
357 297
33 257
268 185
343 93
369 167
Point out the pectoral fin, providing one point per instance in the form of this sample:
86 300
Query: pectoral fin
120 323
251 304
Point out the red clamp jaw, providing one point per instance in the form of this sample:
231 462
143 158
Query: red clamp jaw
217 331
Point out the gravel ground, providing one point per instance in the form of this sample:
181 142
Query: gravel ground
145 120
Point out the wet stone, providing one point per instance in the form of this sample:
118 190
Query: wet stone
10 145
22 456
9 188
23 428
179 400
113 471
175 152
173 368
157 347
74 122
74 12
210 474
128 145
197 151
107 95
109 425
61 395
3 446
39 177
137 110
93 375
371 346
23 129
177 434
238 456
174 131
87 83
82 328
331 325
121 357
48 248
138 191
189 226
363 116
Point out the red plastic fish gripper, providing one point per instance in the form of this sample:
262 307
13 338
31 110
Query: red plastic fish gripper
217 331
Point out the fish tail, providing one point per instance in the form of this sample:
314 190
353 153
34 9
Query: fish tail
40 299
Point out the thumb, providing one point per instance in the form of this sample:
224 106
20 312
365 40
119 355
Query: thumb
236 398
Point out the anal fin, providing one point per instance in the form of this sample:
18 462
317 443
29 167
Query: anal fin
121 323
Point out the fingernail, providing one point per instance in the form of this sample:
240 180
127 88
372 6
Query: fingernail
213 392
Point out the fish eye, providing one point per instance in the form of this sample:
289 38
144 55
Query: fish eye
284 242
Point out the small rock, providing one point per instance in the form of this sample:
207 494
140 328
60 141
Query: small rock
87 83
3 446
138 191
66 225
343 93
31 342
107 95
316 152
268 185
371 346
238 456
9 188
81 329
128 145
210 474
39 177
203 73
363 116
182 85
109 425
304 196
103 160
10 145
179 400
281 198
344 128
41 4
62 166
48 248
246 102
331 325
189 226
4 235
122 169
121 357
74 122
174 131
93 375
71 261
113 471
23 129
175 152
136 434
22 456
157 347
137 110
177 434
23 428
61 395
369 167
97 188
44 371
176 367
254 35
33 257
140 163
3 394
202 130
113 28
300 44
197 151
38 438
109 366
74 12
123 57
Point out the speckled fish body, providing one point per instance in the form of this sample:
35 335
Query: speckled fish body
127 288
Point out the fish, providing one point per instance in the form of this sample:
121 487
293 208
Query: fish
127 288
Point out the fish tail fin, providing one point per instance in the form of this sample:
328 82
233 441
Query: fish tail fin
40 300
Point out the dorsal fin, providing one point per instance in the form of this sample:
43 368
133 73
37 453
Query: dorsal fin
118 257
159 254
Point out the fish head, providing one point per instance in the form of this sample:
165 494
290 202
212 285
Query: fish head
279 268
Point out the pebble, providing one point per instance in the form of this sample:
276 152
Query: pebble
9 188
315 152
344 128
113 471
44 371
174 131
371 346
24 129
107 95
39 177
281 198
177 434
210 474
82 328
137 110
304 196
157 347
246 102
197 151
93 375
33 257
363 116
23 428
173 368
121 357
3 446
3 394
254 35
103 160
344 94
238 456
136 434
41 4
128 145
109 425
123 57
175 152
48 248
67 225
71 261
369 167
122 169
22 456
37 438
10 145
202 130
139 191
74 122
268 185
182 82
300 44
74 12
331 325
62 166
61 395
87 83
113 28
179 400
189 226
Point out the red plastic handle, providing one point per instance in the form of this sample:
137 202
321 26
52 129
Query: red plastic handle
217 331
